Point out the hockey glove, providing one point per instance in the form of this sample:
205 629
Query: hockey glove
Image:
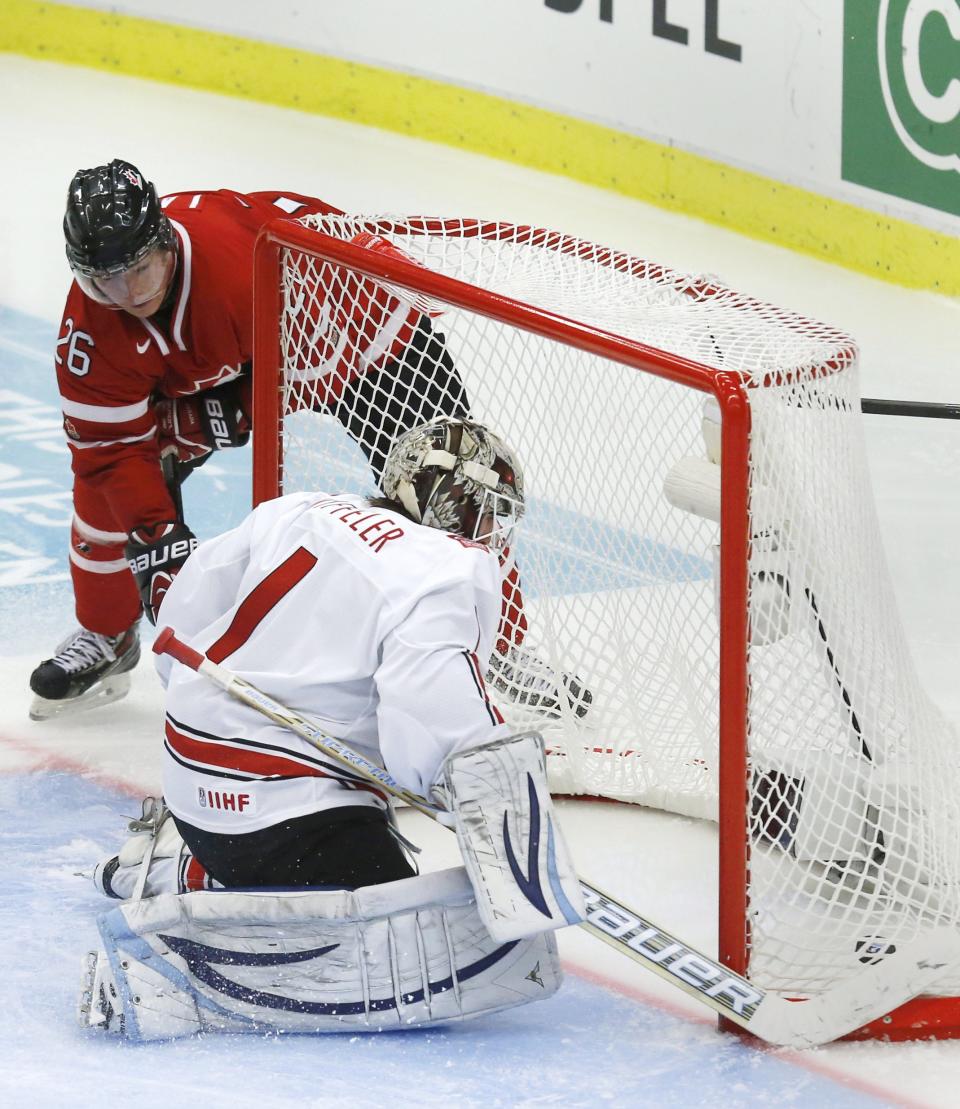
155 554
193 426
512 845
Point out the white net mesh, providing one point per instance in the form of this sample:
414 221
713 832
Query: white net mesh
610 647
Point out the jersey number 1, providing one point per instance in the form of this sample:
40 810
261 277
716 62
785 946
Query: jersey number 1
260 600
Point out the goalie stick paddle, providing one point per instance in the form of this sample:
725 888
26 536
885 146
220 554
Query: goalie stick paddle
871 993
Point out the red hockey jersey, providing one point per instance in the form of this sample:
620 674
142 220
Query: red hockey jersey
111 366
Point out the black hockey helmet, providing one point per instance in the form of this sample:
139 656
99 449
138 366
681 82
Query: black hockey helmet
113 218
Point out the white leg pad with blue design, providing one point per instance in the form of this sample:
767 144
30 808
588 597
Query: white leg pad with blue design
510 839
413 952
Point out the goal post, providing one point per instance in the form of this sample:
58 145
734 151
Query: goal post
712 573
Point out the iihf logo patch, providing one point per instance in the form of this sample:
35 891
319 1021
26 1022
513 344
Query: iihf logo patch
202 797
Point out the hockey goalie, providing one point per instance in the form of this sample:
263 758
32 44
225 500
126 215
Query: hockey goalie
271 888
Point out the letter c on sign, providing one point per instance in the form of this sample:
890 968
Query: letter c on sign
898 53
938 109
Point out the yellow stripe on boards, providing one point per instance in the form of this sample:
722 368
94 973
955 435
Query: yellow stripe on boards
892 249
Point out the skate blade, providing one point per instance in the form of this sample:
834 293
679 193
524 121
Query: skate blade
95 1006
89 1015
109 690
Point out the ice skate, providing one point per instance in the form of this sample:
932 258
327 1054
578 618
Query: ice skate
153 860
526 679
141 846
88 670
97 1006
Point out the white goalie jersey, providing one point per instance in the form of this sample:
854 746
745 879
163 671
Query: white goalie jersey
376 627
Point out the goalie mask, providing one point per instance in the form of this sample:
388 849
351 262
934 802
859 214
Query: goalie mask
457 476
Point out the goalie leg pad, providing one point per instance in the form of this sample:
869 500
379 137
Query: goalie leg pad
406 953
512 846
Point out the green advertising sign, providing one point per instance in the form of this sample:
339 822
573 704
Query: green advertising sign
901 99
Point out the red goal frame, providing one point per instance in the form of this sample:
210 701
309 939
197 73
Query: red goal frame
937 1017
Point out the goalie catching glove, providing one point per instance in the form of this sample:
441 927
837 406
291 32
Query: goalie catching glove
512 846
155 554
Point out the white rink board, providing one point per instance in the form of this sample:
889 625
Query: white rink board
773 68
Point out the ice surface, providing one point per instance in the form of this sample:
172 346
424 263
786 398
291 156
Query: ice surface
587 1045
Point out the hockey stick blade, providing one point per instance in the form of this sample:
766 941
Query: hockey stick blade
870 993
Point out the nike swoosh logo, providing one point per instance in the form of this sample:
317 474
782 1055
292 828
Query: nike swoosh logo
142 349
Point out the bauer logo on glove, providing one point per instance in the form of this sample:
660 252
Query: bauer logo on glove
212 420
155 554
161 556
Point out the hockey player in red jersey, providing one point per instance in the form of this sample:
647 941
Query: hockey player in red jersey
154 359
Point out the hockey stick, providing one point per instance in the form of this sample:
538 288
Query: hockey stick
871 993
929 409
171 478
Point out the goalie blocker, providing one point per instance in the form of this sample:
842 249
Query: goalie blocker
401 954
509 837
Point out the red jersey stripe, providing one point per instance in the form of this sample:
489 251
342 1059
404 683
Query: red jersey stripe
474 662
261 599
195 877
224 757
221 756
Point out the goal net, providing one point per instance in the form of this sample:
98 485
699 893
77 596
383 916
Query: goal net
701 619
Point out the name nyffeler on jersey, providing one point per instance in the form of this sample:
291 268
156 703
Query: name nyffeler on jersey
376 627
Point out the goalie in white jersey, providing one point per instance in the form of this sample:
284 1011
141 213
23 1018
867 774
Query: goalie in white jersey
355 615
374 618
